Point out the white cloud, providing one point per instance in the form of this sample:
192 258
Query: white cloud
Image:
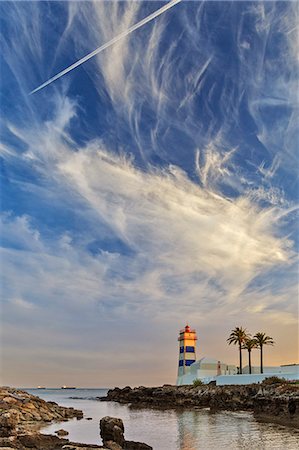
187 240
23 304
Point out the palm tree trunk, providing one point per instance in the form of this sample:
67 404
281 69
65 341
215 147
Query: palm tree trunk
240 358
249 360
262 370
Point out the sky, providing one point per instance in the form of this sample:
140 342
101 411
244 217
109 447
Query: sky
154 185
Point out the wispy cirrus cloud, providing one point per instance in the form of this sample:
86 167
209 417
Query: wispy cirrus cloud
176 231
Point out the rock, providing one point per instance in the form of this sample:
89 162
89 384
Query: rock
279 409
7 441
39 441
8 422
8 448
112 429
23 408
61 432
130 445
112 433
111 445
88 418
10 400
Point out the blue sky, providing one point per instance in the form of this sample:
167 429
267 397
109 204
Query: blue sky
154 185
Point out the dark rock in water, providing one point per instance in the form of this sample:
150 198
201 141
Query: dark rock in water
61 432
111 445
40 442
283 410
88 418
112 433
112 429
131 445
37 441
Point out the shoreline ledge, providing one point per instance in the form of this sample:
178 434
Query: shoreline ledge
277 403
22 415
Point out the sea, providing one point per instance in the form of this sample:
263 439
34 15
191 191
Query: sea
194 429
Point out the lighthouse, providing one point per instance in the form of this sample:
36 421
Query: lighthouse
187 342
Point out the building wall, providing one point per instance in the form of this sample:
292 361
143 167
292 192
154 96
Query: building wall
292 368
253 378
185 379
257 370
212 366
209 375
204 372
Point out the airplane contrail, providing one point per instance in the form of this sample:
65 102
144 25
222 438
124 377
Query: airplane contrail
108 44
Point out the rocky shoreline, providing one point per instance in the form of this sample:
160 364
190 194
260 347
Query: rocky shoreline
273 403
22 415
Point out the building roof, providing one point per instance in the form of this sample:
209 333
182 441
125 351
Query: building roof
208 360
205 360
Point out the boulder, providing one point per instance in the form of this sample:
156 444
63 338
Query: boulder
61 432
8 422
112 429
131 445
8 448
10 400
111 445
282 410
39 441
112 433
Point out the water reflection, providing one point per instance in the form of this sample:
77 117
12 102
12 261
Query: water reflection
202 429
189 422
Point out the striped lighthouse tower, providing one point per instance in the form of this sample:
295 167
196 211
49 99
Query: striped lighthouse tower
187 342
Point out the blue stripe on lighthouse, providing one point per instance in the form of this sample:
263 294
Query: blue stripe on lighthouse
188 362
189 349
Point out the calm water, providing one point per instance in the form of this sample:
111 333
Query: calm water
169 430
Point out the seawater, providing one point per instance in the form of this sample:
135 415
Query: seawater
169 429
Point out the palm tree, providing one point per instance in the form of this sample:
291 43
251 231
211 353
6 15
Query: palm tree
238 336
249 344
262 339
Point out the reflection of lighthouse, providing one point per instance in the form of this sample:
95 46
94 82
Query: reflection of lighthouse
187 341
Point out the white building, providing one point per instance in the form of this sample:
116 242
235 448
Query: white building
206 369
